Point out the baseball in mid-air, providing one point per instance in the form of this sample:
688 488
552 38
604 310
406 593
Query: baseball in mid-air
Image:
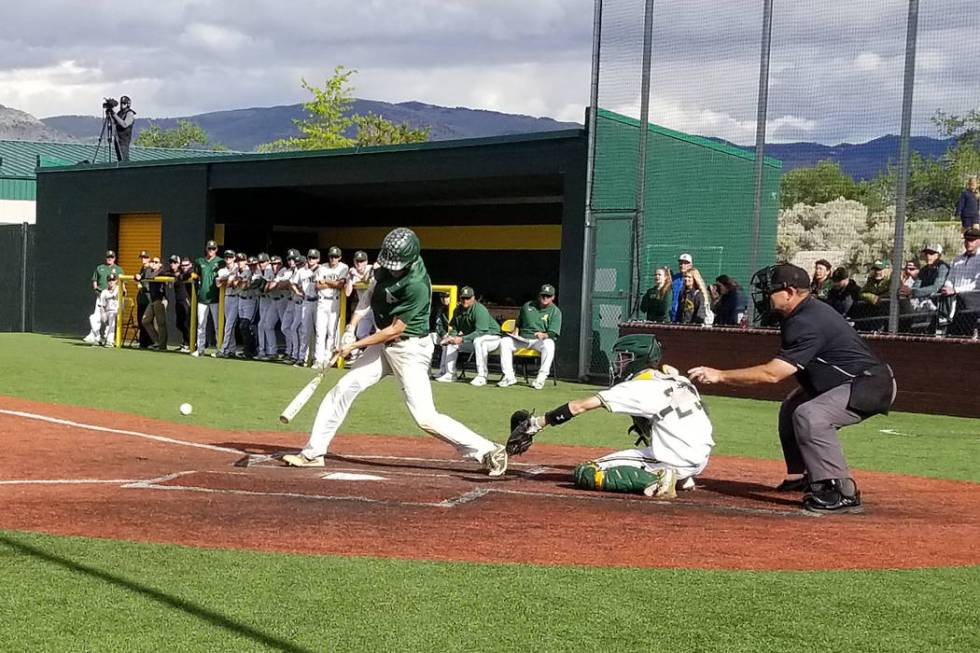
186 409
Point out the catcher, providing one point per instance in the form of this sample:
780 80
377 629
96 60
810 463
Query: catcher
668 417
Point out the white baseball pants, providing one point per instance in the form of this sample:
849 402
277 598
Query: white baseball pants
408 360
545 347
106 332
327 338
203 312
482 347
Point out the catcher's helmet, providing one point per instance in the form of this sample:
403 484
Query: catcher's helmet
770 279
399 249
633 353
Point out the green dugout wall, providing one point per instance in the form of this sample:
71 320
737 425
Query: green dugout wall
698 199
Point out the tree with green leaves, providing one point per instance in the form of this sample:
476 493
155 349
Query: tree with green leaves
823 182
329 124
184 136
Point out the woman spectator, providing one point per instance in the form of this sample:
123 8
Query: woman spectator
732 303
656 302
691 306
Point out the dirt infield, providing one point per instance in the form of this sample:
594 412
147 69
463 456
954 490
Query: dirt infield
77 471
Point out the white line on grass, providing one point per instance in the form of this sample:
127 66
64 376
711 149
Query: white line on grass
68 481
106 429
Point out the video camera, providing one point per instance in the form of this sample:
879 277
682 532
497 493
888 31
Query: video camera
110 103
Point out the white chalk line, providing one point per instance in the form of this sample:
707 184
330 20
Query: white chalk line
68 481
107 429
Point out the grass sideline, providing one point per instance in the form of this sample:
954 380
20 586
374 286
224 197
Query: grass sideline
244 395
87 594
70 594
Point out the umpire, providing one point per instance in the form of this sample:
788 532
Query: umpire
840 383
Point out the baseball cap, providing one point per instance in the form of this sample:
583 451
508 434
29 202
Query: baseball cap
971 234
548 290
240 256
360 255
144 254
839 274
112 276
252 260
313 253
334 251
787 275
229 253
211 245
466 292
110 254
292 253
276 258
174 258
263 257
686 258
880 264
935 248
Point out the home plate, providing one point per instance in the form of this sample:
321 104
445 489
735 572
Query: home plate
347 476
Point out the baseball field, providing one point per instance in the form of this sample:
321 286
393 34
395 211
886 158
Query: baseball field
126 526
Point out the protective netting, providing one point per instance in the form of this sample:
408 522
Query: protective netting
828 189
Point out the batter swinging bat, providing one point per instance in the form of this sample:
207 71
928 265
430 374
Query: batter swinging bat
289 412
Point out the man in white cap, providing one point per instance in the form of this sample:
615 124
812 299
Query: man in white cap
684 264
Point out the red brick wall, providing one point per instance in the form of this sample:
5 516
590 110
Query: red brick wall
934 375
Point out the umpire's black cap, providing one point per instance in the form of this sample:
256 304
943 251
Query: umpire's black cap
787 275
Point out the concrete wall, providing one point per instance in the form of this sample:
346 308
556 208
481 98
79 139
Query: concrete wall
934 375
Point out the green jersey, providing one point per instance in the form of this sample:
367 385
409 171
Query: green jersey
207 271
473 322
409 298
655 307
532 319
102 272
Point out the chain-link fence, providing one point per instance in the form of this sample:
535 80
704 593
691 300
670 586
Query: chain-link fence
867 114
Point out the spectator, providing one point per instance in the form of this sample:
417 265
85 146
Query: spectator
181 271
968 206
924 295
208 295
963 284
690 307
537 327
100 280
658 300
155 316
844 292
471 324
821 283
732 303
684 264
108 308
873 301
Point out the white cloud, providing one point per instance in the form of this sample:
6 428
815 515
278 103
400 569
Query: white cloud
212 37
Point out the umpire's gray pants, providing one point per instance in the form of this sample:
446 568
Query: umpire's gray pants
808 432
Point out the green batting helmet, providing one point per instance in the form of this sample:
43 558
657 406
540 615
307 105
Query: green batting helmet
399 249
632 354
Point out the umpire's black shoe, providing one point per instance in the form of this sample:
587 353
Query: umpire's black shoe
798 484
834 496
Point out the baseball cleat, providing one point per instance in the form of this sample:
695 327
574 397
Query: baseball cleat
495 462
538 384
445 378
833 496
686 485
479 381
299 460
664 487
506 382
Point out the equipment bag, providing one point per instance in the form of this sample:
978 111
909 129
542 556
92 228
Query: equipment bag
872 391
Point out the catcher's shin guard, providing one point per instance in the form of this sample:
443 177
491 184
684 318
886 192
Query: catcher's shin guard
626 479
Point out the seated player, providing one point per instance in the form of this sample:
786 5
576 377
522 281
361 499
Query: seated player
668 417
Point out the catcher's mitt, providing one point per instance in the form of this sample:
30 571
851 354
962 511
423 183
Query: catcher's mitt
522 430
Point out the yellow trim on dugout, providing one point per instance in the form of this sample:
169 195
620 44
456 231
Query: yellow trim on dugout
494 237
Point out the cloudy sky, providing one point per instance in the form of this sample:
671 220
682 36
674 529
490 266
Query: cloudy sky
836 72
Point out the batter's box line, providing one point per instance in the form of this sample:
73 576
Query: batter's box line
271 460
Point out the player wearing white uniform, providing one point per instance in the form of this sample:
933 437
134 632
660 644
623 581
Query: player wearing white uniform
107 308
268 314
292 322
360 273
330 281
307 286
99 281
400 297
668 416
278 289
226 278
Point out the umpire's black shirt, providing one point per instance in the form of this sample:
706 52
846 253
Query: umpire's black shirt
825 349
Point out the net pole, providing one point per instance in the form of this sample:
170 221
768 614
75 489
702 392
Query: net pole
760 141
903 163
641 168
588 265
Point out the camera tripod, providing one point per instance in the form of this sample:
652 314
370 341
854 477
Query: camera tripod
108 134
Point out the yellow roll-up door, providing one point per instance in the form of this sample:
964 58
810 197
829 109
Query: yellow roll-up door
137 231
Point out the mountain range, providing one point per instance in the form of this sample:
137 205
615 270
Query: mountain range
245 129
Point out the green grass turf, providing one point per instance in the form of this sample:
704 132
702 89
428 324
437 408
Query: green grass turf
74 594
239 395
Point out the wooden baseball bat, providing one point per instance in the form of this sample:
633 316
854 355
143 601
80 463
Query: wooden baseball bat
290 412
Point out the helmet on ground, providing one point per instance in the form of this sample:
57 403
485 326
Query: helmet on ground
632 354
399 249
